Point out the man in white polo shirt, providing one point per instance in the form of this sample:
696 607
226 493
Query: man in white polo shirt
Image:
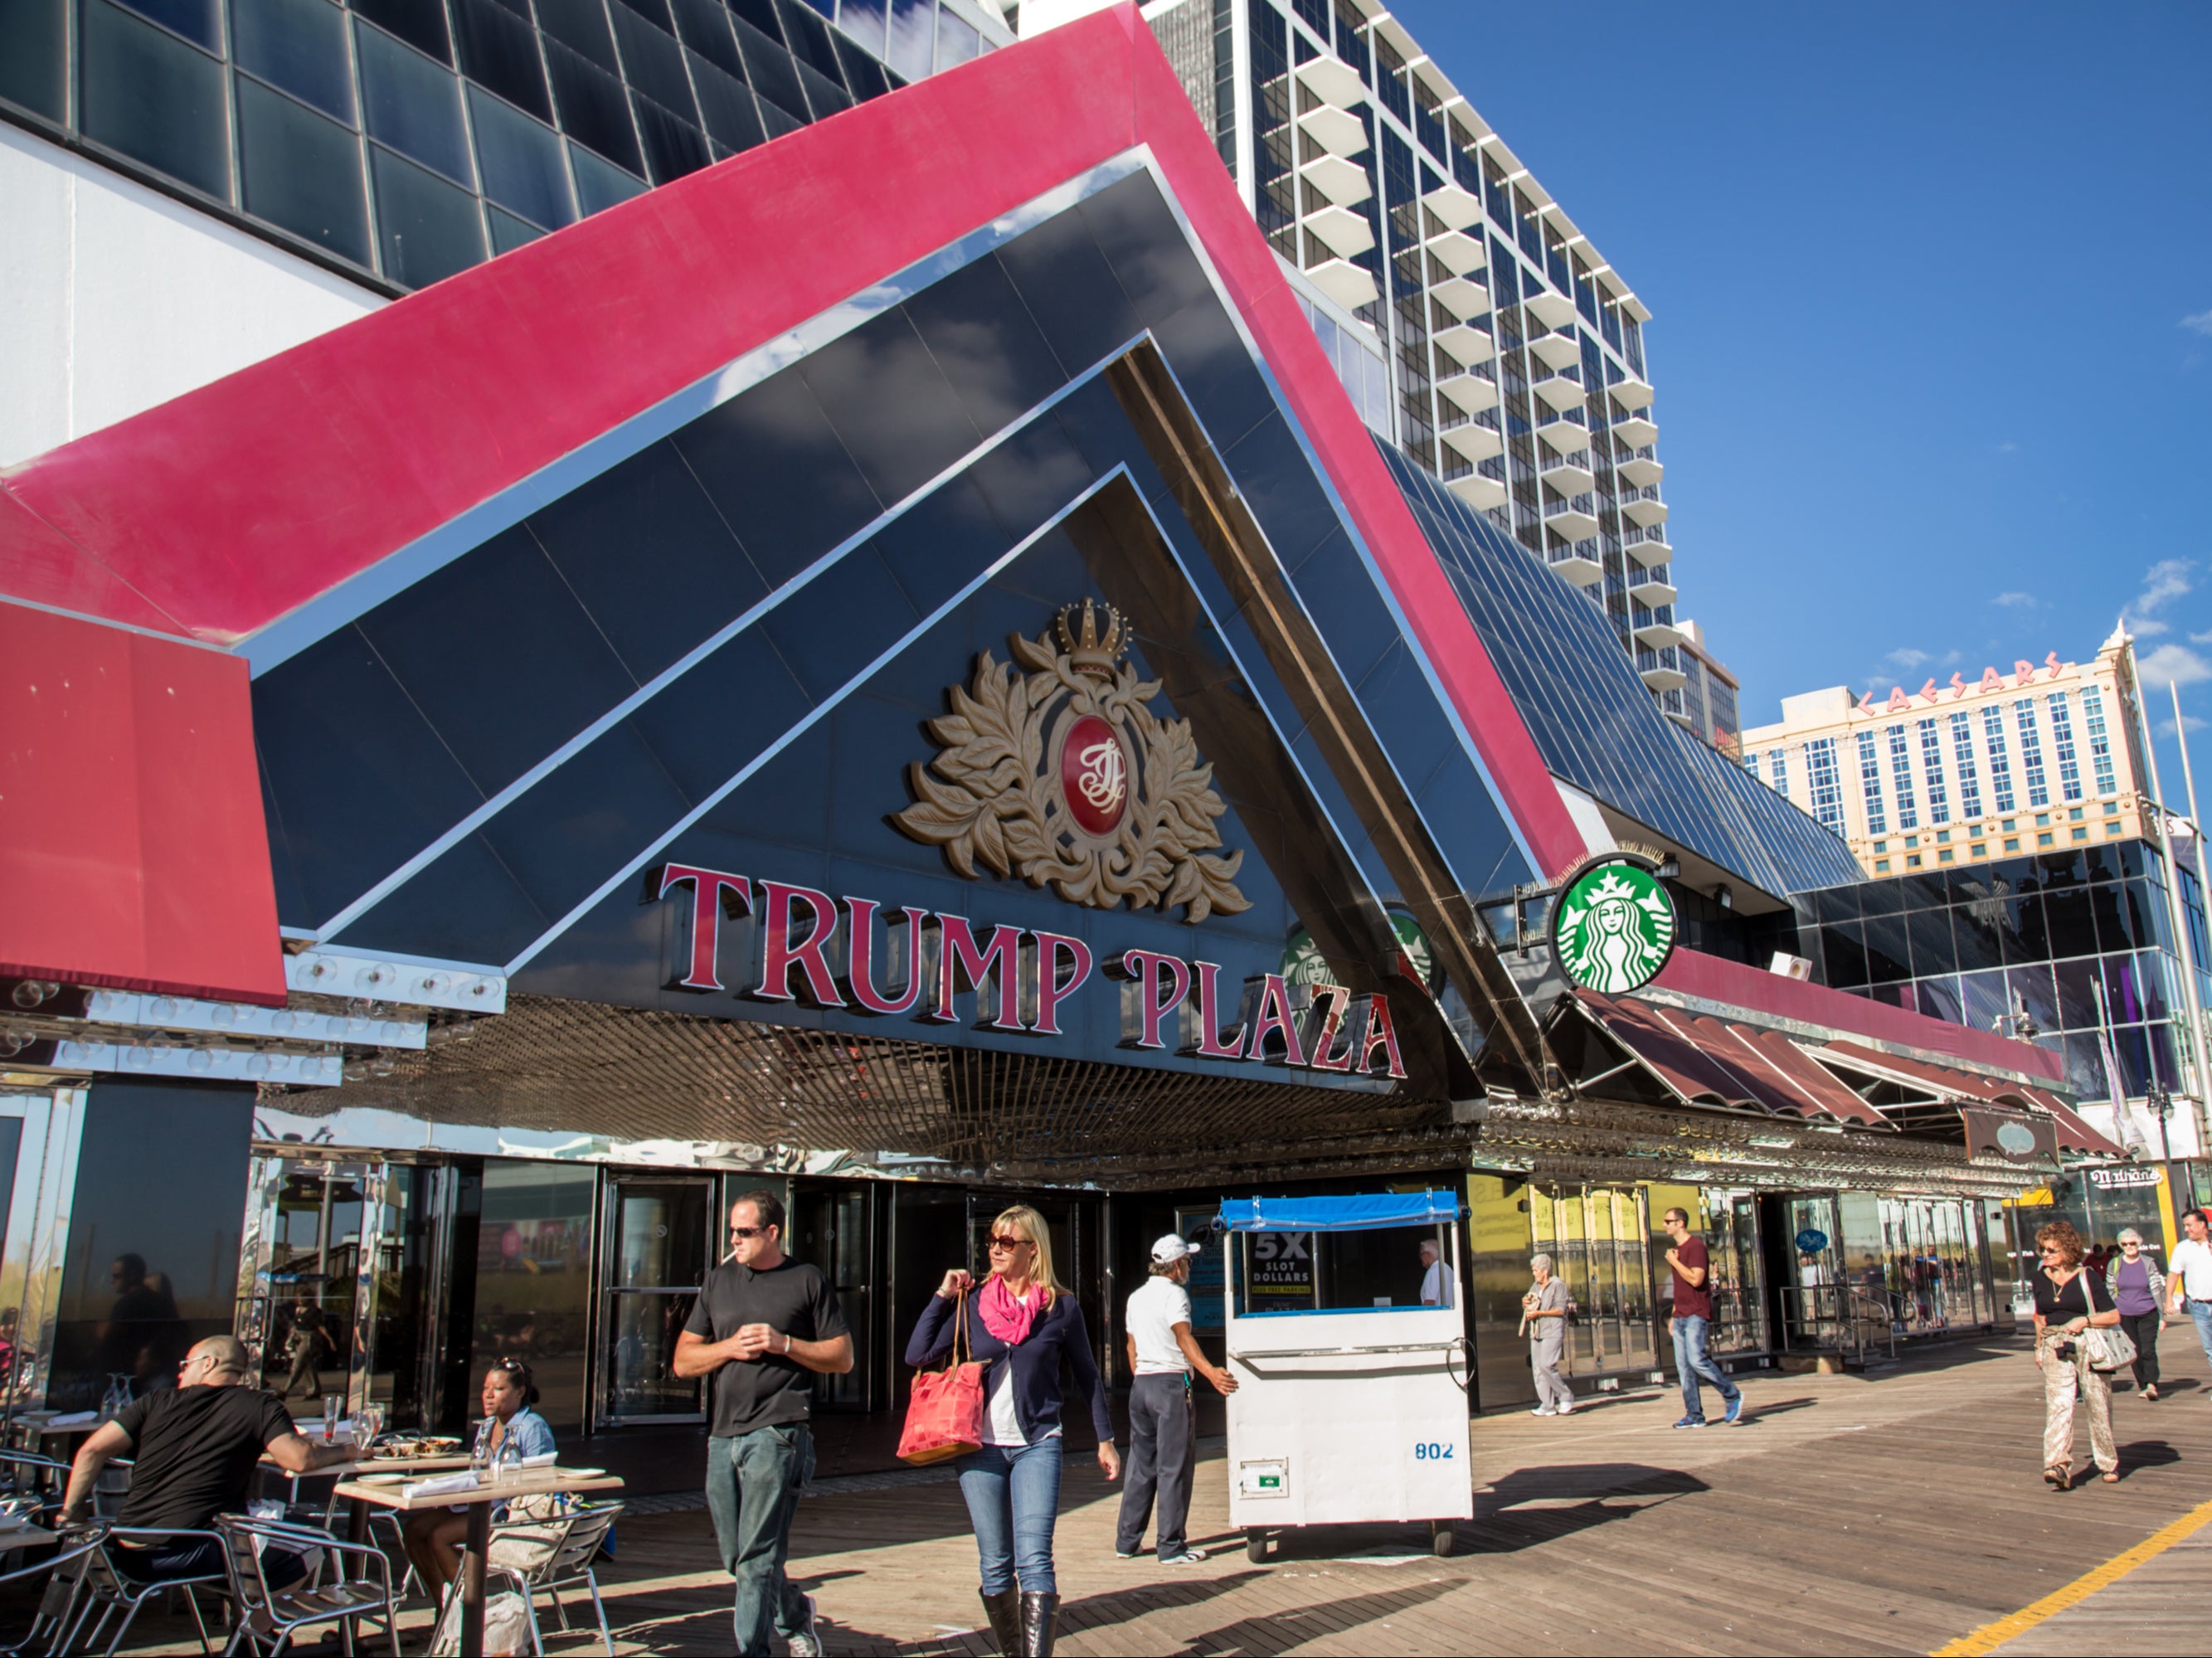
2189 1272
1163 1353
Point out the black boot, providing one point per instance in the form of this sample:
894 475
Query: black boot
1040 1621
1004 1609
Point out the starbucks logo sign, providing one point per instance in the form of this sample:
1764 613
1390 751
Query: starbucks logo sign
1614 927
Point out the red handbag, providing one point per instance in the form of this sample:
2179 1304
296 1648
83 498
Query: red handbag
944 1416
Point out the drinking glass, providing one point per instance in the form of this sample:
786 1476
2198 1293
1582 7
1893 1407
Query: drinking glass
367 1426
333 1405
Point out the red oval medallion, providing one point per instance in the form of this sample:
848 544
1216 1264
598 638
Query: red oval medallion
1094 775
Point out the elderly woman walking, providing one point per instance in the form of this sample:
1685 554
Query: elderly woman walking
2068 1302
2138 1289
1026 1328
1544 1315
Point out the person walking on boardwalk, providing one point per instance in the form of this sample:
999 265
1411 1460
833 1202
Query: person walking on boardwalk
2190 1275
763 1327
1022 1325
2068 1301
1691 1264
2138 1288
1163 1431
1544 1315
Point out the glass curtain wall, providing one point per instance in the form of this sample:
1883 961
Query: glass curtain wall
1925 1260
533 1279
1595 1237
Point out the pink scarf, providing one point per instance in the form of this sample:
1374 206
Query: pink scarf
1005 1317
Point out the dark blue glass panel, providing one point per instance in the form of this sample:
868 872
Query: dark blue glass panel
1212 364
770 67
430 229
301 171
299 45
825 96
2078 987
1339 595
593 112
981 337
1932 951
809 38
498 50
510 233
360 779
1132 225
465 906
419 23
2072 932
652 62
1071 290
1277 483
580 25
1031 476
33 63
1401 710
777 120
829 633
891 404
500 657
655 12
704 26
413 105
941 542
761 15
198 21
600 184
672 147
726 103
148 95
689 726
956 42
913 38
862 73
1986 999
652 561
1889 951
520 162
866 21
1844 947
770 461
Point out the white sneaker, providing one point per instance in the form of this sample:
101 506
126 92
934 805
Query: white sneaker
1566 1410
807 1642
1543 1409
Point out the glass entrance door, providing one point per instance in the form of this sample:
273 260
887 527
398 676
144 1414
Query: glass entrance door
829 1228
300 1312
658 1233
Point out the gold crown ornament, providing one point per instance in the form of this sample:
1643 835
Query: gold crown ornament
1087 649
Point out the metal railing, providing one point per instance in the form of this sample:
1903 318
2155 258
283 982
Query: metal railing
1846 1319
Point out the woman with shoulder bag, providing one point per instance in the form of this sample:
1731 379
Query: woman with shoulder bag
2138 1289
2070 1302
1021 1325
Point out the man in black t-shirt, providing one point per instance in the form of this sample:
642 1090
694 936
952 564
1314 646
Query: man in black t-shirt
762 1324
194 1447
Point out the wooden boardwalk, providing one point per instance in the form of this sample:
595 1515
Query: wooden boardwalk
1889 1515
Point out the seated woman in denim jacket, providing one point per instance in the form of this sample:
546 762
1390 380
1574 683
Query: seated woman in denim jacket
432 1537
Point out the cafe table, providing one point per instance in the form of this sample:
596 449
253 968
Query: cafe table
479 1500
23 1537
357 1510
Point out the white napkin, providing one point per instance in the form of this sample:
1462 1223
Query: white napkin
440 1484
543 1459
74 1420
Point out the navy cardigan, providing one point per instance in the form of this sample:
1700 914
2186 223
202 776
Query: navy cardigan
1057 1334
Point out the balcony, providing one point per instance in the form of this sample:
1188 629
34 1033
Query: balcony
1465 344
1347 283
1552 310
1636 466
1473 441
1333 81
1560 389
1577 562
1632 393
1643 505
1458 208
1471 394
1335 179
1656 630
1574 517
1636 432
1651 587
1463 296
1479 492
1648 547
1336 131
1457 252
1563 428
1661 669
1556 350
1340 230
1567 470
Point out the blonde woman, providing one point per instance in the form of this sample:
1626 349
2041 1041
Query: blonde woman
2068 1301
1023 1324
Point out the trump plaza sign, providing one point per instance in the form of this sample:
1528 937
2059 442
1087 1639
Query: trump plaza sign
815 950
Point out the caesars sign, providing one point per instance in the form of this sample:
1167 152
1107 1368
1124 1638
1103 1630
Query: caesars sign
1062 776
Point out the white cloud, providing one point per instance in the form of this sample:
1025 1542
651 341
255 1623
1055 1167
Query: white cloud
2199 324
2201 639
1951 658
2017 601
2008 447
1908 658
2143 627
2164 582
2190 721
2173 665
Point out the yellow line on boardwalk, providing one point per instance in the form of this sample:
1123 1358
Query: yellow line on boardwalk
1990 1637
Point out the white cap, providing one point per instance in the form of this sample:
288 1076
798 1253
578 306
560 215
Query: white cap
1169 1248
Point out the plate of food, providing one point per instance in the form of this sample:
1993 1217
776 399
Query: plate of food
441 1446
386 1479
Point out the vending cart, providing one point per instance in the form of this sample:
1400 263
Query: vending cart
1352 1400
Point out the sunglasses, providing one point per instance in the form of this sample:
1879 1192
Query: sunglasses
2049 1252
1007 1241
751 1231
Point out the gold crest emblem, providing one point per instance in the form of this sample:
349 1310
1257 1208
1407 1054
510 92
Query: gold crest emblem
1052 767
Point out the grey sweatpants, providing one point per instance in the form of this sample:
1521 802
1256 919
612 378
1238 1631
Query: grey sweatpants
1161 1442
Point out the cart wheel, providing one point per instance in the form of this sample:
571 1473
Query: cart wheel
1255 1546
1440 1537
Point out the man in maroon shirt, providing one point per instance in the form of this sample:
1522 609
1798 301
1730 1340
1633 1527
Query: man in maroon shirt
1687 1259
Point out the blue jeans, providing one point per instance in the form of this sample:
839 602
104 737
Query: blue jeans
1013 1498
752 1492
2200 1315
1692 1360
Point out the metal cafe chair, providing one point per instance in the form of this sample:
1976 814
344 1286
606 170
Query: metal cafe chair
552 1554
27 1474
104 1587
63 1575
345 1581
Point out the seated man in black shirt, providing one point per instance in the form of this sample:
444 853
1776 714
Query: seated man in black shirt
195 1447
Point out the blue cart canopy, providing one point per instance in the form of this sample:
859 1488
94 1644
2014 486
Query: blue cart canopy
1358 1214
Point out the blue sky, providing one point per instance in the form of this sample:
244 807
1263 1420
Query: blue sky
1932 299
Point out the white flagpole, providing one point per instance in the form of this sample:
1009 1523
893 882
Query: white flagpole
2184 951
